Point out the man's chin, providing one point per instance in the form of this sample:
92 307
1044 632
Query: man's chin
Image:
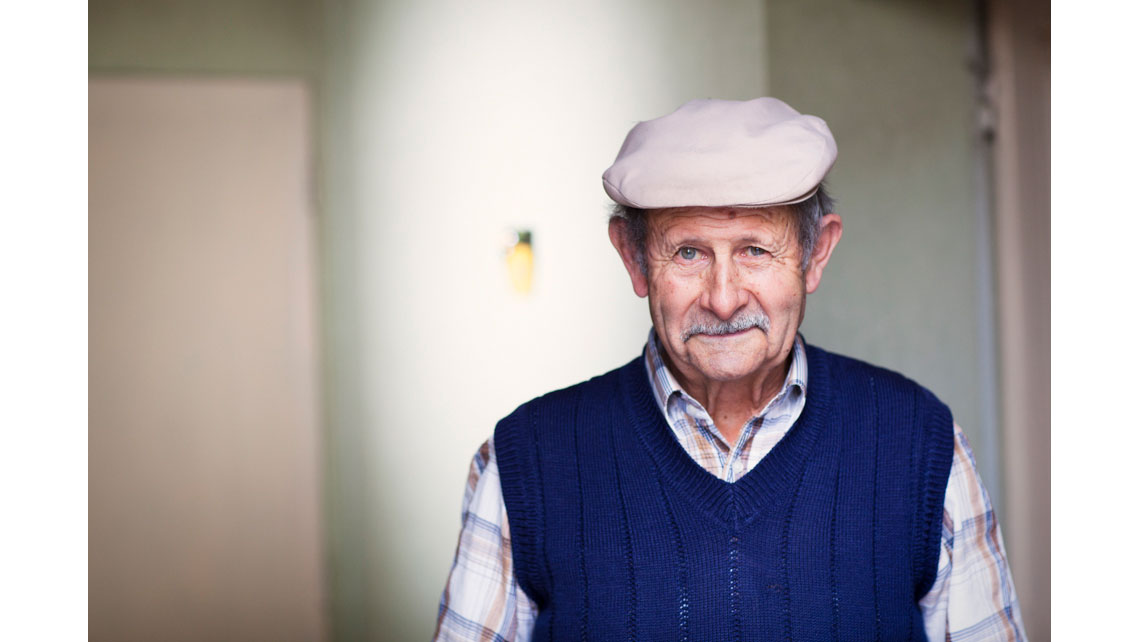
722 358
728 367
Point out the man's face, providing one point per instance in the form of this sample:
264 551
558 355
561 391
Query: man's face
726 290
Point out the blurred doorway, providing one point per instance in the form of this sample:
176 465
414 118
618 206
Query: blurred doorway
204 443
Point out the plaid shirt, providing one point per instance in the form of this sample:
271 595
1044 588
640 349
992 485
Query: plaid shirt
972 598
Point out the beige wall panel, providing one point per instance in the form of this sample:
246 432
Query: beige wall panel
1020 32
204 443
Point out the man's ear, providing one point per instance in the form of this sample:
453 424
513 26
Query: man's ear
620 238
830 231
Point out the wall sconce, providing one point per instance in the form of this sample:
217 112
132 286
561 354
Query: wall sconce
520 260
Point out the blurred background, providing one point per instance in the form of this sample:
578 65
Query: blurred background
302 317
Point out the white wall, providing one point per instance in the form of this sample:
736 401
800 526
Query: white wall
446 123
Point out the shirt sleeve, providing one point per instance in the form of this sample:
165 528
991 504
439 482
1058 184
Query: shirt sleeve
973 597
482 600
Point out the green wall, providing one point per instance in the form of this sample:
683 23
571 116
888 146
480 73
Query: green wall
258 37
891 79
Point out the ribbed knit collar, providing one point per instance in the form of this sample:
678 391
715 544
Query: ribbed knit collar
767 485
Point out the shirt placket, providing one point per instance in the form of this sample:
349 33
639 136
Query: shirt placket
726 456
743 445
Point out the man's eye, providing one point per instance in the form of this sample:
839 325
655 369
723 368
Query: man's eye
756 251
687 253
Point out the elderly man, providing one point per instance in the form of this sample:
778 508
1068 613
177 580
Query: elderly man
731 482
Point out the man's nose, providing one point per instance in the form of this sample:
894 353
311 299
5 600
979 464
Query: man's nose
724 294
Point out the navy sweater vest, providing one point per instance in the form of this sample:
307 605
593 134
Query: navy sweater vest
617 534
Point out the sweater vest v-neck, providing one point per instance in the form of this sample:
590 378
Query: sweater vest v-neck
617 534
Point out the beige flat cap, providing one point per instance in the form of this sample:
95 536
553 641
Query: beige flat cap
719 153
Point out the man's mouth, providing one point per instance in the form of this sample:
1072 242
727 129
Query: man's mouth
725 335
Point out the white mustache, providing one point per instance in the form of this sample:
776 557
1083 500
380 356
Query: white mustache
736 324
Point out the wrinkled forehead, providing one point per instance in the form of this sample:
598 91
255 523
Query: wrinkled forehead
718 219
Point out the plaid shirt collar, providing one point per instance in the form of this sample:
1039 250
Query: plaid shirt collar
684 413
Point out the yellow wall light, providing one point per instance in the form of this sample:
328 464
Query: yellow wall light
520 261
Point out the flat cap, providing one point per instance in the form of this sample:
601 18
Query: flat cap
720 153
